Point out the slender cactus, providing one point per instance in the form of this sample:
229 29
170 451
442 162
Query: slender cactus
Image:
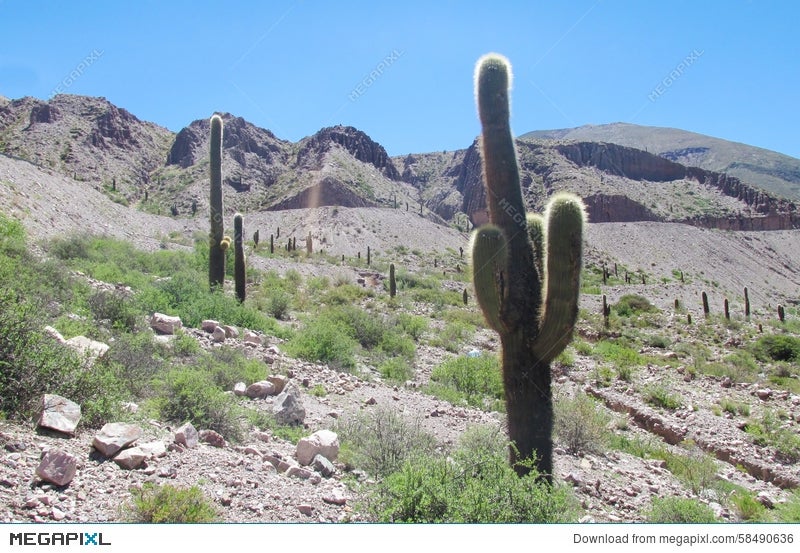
216 254
309 244
726 307
706 311
526 272
239 271
465 297
746 304
392 281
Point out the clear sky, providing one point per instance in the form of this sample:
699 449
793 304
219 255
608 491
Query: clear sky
729 69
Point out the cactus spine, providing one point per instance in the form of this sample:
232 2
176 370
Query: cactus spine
216 255
239 272
526 272
392 281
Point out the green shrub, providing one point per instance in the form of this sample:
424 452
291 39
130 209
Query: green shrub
115 308
191 395
474 485
453 336
581 425
396 369
413 325
768 431
395 344
32 364
475 379
747 507
278 304
379 440
136 360
659 396
323 340
168 504
680 510
778 347
619 355
789 511
633 304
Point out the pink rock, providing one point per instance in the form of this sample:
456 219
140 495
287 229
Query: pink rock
212 438
187 435
60 414
115 436
209 325
260 390
131 458
321 442
165 324
57 467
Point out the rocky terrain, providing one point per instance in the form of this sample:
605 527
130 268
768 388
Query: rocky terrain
678 231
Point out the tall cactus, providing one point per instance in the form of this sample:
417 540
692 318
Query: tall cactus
216 255
392 281
526 272
239 272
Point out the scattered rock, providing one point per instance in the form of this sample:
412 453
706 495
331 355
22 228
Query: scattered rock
260 390
60 414
212 438
307 510
288 407
115 436
187 435
251 338
92 349
218 335
230 331
239 389
165 324
154 449
764 394
54 334
279 381
336 497
321 442
57 467
131 458
209 325
323 466
766 500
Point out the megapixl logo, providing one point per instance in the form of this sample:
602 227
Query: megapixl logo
57 538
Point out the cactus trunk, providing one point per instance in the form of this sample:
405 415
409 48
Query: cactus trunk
216 255
526 273
239 274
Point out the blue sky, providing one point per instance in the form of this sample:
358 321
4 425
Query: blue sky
727 69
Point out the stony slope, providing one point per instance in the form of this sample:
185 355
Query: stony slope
771 171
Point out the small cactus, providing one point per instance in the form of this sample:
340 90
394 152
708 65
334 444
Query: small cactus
781 314
726 306
706 310
746 303
392 281
465 297
271 243
309 244
255 238
369 255
239 271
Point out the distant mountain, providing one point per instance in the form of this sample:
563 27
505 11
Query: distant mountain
773 172
147 166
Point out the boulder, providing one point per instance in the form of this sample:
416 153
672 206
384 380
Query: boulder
153 449
239 389
218 335
212 438
60 414
323 466
321 442
288 407
57 467
165 324
279 381
131 458
209 325
251 338
260 390
115 436
92 349
187 435
230 331
55 334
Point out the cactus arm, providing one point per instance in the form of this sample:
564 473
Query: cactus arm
565 218
489 270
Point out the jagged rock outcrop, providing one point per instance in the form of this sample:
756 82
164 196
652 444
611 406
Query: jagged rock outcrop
329 191
354 141
621 161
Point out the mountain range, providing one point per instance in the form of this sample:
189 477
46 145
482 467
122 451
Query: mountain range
624 172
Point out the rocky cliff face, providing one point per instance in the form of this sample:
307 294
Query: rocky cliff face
88 139
355 142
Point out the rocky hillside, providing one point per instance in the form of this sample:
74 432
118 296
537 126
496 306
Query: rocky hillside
775 173
135 162
618 184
